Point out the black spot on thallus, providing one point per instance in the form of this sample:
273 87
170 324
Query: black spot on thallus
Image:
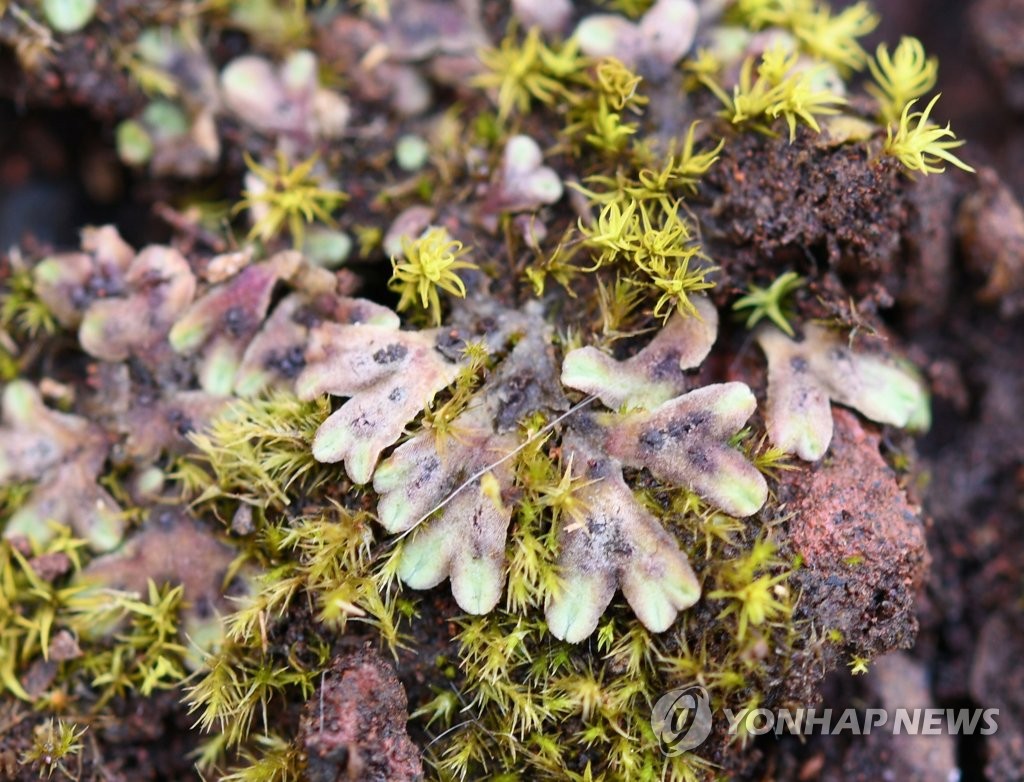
391 354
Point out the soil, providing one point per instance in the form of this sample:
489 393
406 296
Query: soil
925 558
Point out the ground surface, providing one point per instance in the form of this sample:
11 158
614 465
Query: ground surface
942 558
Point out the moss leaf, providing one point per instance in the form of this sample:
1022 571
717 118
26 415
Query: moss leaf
277 353
160 285
683 442
68 283
464 477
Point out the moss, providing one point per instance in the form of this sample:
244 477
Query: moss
555 711
22 313
480 445
778 90
148 656
428 263
920 145
288 196
522 72
275 760
257 452
54 747
906 75
769 302
831 36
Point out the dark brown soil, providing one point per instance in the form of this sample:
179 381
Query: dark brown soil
775 205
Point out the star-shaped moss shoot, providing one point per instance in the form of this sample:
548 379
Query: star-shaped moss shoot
770 302
463 478
221 324
159 285
64 454
430 262
920 144
520 73
287 195
391 376
614 542
804 376
656 373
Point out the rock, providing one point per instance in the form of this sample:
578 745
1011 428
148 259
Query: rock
50 567
991 228
997 682
64 647
861 541
898 681
997 27
354 726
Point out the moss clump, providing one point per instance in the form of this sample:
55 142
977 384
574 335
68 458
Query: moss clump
256 452
545 448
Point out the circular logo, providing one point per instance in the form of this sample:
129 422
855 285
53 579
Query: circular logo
682 719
